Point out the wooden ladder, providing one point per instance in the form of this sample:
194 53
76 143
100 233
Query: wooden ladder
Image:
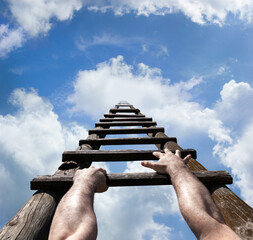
237 214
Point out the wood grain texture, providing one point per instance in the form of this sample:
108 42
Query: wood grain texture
129 119
238 215
134 123
115 155
127 141
55 182
144 130
33 220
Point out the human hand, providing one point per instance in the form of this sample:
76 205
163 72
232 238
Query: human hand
92 177
166 160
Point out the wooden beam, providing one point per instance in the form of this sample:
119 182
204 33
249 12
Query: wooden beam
116 155
125 119
112 115
125 110
238 215
135 123
130 179
127 141
33 220
144 130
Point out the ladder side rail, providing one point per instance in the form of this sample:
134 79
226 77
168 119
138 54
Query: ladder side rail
33 220
237 214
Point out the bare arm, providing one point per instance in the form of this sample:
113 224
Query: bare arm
74 218
195 202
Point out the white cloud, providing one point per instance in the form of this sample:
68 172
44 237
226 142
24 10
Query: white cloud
10 39
235 106
107 40
238 157
140 206
31 143
221 70
172 105
201 12
36 17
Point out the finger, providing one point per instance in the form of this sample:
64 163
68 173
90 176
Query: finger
178 153
148 164
102 170
187 158
158 154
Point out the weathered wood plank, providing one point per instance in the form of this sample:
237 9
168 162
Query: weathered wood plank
144 130
125 119
134 123
130 179
238 215
116 155
112 115
126 141
34 219
125 110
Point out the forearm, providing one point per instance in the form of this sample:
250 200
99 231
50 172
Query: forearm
191 192
74 217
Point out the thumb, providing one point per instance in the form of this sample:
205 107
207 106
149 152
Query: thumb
187 158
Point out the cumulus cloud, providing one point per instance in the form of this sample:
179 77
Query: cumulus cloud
10 39
172 105
31 143
35 17
144 87
140 216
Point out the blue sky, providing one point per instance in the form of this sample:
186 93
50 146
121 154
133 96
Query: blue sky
65 63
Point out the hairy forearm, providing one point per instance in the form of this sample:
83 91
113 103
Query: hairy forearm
74 217
191 192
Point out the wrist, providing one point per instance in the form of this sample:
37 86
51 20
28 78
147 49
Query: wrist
85 185
175 167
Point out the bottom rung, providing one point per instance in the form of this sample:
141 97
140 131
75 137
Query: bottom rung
130 179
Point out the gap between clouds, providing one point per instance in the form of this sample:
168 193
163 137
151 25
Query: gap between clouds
226 124
33 18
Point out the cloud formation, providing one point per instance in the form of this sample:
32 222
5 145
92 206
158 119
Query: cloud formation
200 12
10 39
33 18
226 124
31 143
140 216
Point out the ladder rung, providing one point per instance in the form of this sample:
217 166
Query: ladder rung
126 130
110 115
124 119
108 124
126 141
123 105
133 110
64 182
116 155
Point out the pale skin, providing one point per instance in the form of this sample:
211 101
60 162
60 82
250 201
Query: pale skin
75 219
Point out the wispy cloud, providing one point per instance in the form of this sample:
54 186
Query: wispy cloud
105 39
10 39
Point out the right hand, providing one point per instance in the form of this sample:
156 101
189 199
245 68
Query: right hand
93 177
165 161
